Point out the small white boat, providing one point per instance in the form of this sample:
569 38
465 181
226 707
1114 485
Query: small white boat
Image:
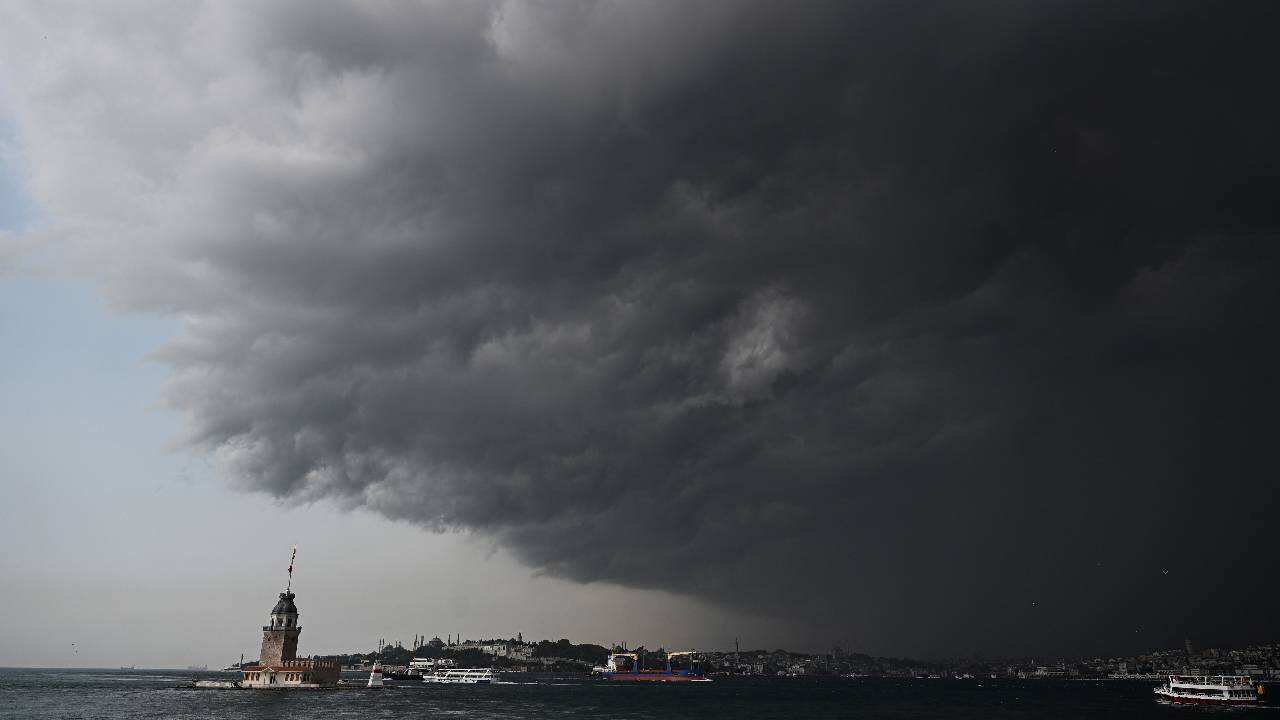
216 684
467 676
1209 690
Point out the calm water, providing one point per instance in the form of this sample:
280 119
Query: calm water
122 694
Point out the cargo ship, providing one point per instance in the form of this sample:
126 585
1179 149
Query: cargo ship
684 666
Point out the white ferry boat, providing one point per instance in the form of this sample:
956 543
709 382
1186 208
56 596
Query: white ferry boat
1209 690
468 676
427 665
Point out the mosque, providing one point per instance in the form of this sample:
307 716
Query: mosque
278 665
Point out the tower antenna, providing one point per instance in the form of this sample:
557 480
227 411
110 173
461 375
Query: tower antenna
289 587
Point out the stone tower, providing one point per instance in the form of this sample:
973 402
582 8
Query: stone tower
280 638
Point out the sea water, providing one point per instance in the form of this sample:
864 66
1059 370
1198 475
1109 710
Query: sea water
37 694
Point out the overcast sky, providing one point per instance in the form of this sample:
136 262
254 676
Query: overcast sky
924 328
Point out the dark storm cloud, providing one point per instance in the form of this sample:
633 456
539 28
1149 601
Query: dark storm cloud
938 328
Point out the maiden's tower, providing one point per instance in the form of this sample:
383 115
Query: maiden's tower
279 665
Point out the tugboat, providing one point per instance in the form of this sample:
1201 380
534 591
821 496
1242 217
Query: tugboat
683 666
1233 690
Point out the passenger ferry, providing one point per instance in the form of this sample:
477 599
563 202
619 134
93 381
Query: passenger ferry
684 666
467 676
1209 690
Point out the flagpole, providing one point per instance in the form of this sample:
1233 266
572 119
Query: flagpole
289 587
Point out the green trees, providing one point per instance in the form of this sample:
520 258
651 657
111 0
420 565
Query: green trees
562 648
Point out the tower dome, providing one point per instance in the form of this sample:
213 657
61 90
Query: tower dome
285 613
285 606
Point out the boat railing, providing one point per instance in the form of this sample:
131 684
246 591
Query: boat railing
1218 680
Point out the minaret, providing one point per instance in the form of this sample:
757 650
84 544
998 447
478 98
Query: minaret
280 637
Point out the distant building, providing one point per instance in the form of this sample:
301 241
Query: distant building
279 666
503 649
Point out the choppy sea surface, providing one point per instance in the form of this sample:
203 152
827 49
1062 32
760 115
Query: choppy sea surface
112 694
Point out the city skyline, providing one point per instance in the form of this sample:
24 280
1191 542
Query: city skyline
937 328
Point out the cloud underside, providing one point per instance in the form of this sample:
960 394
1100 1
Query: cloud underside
887 320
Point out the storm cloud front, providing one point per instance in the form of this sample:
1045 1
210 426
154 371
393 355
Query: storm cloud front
928 328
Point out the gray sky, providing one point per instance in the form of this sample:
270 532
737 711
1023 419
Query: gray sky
916 327
141 556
